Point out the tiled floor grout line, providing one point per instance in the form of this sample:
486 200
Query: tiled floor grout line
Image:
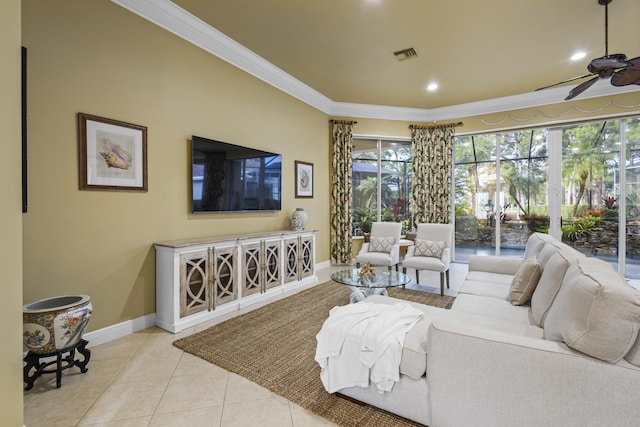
155 410
130 357
224 400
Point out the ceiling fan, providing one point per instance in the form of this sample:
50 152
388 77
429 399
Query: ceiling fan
623 72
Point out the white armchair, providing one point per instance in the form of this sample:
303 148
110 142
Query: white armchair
431 251
383 247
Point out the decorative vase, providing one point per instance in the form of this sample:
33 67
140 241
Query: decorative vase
298 219
55 324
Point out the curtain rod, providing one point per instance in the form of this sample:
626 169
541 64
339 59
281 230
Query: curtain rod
343 122
436 126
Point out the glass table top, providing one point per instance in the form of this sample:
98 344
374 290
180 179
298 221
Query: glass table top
381 279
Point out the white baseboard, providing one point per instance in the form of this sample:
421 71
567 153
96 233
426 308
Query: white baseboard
325 264
125 328
120 330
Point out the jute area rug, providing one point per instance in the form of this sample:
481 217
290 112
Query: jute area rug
274 346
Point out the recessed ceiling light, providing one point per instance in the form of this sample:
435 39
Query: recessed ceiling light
432 87
578 55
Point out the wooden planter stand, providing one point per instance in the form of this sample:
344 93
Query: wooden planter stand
33 362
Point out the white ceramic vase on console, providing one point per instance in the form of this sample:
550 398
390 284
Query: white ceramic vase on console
298 219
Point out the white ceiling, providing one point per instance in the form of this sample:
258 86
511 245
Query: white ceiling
337 55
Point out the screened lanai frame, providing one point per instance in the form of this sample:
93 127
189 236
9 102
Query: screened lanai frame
495 182
554 220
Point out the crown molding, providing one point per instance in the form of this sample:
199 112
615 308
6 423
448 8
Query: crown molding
178 21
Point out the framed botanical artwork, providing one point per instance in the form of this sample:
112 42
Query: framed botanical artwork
304 179
113 154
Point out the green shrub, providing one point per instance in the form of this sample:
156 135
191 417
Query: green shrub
580 227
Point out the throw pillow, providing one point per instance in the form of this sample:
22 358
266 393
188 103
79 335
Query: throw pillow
525 281
429 248
595 311
381 244
548 286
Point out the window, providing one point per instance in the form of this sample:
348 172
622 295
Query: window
381 183
579 183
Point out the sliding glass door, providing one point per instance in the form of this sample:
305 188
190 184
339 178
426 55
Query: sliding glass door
475 189
500 191
580 183
630 133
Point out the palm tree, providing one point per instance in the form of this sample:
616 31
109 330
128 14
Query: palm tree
584 158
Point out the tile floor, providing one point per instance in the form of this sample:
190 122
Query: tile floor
143 380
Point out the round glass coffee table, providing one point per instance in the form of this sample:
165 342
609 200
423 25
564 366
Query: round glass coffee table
362 287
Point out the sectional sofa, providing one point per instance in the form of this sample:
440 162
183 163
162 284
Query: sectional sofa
547 340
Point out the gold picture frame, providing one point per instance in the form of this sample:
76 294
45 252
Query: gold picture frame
113 154
304 179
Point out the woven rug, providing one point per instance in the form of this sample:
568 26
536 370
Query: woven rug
274 346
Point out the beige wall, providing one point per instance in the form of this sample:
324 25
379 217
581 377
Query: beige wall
10 216
96 57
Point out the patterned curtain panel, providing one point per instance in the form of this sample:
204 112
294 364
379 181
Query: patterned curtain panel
341 192
432 150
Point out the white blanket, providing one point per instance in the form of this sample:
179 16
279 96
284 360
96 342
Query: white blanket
363 342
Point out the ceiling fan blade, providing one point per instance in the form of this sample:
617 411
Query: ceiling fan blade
634 63
628 76
581 88
566 81
607 62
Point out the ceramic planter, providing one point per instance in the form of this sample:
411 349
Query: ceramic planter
298 219
55 324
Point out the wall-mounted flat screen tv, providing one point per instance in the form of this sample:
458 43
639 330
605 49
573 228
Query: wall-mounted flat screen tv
233 178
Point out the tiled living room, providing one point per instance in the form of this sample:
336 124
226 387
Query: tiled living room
143 380
272 77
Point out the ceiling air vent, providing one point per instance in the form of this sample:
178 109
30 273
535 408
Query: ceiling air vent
404 54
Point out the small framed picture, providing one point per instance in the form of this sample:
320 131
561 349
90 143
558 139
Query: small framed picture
304 179
113 154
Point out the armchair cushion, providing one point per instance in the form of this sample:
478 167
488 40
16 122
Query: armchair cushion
381 244
525 281
429 248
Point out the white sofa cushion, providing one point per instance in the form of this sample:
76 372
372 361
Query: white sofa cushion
535 242
486 288
494 264
595 311
414 351
633 356
501 279
492 308
525 281
545 254
553 272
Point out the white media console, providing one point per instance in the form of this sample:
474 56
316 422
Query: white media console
200 279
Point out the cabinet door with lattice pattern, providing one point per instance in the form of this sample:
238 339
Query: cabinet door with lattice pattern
224 265
194 279
306 256
252 269
271 264
291 265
